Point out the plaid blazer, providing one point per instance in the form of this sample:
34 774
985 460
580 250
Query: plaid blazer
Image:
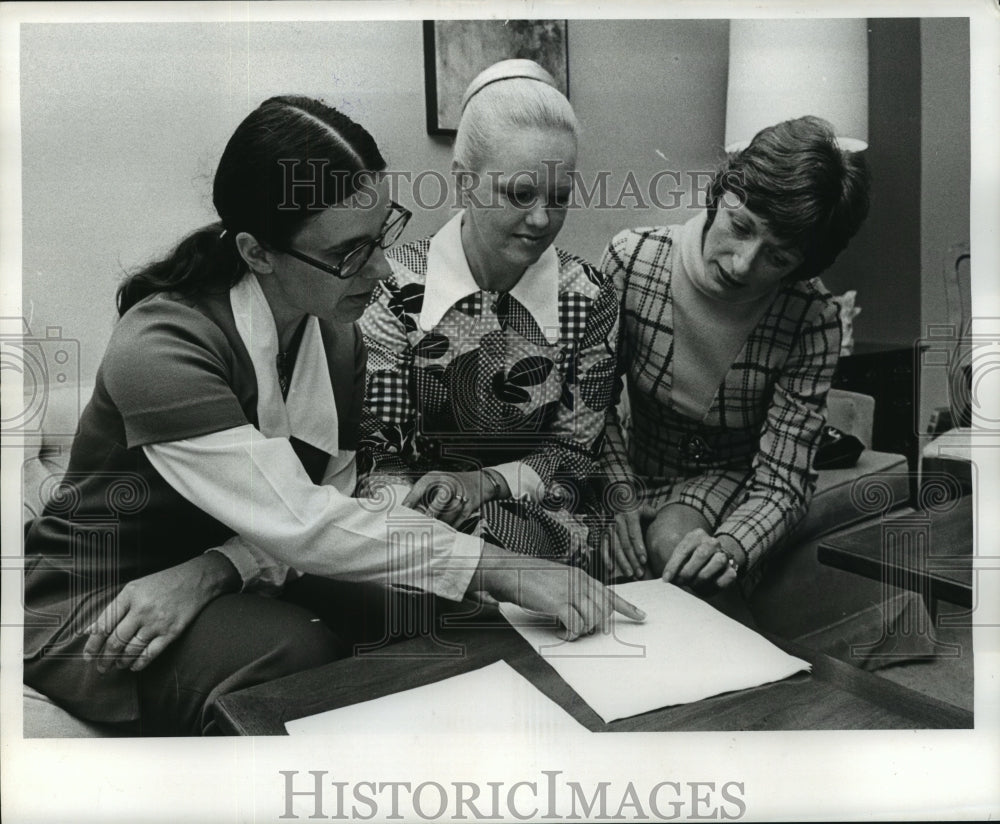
756 444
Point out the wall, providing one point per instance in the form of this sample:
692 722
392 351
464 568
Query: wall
945 175
122 126
883 260
655 103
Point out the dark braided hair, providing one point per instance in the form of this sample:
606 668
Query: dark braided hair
289 159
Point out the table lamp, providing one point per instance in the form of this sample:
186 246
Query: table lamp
781 69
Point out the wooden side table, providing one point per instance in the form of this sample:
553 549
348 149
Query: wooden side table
929 553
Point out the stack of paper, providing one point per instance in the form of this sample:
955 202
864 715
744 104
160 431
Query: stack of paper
685 650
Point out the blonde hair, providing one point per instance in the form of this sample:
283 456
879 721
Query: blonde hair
506 104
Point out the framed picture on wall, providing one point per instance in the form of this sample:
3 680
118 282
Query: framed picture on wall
455 51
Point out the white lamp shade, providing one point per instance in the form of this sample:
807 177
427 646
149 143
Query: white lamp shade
782 69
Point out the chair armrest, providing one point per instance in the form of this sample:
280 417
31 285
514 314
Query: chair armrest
851 412
46 454
39 476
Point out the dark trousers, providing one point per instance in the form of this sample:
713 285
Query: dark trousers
244 639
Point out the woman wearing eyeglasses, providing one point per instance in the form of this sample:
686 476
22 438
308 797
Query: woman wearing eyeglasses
491 353
220 439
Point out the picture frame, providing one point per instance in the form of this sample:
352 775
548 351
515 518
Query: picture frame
455 51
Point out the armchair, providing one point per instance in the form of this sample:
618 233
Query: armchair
832 507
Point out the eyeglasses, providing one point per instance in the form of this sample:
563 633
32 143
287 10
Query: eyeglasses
354 261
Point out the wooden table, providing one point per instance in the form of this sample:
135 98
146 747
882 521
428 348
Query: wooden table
926 552
834 696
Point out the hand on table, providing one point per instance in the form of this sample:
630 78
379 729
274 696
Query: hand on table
150 612
450 497
627 556
580 603
703 563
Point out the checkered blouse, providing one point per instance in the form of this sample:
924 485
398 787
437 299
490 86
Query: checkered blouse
486 386
748 464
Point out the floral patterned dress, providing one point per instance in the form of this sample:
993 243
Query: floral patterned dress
460 379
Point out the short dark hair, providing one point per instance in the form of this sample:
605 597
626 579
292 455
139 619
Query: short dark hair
812 193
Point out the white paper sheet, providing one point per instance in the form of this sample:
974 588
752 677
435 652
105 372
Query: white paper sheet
492 699
685 650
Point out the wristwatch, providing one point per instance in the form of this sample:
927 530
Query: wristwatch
495 492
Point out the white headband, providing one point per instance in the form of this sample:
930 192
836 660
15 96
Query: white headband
507 70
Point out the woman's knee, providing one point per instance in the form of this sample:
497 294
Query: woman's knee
237 641
287 636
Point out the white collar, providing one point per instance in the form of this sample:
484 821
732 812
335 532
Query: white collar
449 279
310 412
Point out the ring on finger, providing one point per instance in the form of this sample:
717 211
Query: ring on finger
732 562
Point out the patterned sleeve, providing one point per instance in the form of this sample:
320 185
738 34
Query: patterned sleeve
577 434
615 467
783 479
388 418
